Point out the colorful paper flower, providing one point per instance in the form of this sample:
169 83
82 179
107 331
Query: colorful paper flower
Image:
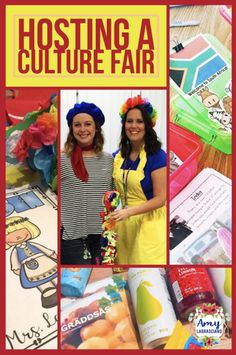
132 102
44 130
36 143
111 201
209 342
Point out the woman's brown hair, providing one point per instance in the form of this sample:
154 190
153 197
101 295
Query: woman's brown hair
151 142
98 141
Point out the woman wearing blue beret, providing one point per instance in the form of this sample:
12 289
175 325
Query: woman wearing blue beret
86 173
140 177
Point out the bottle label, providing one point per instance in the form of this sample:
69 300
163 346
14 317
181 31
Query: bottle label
153 308
188 281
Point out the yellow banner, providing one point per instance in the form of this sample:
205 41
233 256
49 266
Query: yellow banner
86 46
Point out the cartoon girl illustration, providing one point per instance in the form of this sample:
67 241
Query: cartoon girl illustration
35 264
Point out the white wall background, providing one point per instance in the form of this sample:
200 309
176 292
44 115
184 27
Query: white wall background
109 102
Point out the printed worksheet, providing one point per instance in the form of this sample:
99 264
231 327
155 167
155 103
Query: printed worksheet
200 221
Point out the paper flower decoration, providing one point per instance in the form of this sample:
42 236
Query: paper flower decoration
37 145
111 201
132 102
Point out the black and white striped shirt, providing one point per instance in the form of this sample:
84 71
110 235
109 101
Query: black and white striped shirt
81 202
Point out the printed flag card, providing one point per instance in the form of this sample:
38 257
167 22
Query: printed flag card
31 269
201 75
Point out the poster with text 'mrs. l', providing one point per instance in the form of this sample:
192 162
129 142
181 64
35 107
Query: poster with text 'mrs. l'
31 269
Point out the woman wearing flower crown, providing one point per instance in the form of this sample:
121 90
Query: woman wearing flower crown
140 177
86 173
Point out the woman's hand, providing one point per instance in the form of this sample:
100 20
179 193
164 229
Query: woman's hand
121 215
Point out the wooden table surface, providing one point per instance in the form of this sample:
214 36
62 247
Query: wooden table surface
210 22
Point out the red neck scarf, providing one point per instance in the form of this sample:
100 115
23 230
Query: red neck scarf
77 162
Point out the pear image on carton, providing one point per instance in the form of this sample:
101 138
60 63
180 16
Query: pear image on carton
227 283
144 297
153 308
222 281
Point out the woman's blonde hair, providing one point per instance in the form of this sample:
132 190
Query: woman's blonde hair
98 141
16 223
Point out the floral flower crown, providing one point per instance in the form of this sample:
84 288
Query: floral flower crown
132 102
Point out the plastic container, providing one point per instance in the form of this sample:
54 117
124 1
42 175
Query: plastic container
201 77
187 146
207 130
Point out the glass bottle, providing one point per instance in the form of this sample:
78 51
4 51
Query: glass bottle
190 287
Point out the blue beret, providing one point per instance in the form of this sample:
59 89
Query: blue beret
85 107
